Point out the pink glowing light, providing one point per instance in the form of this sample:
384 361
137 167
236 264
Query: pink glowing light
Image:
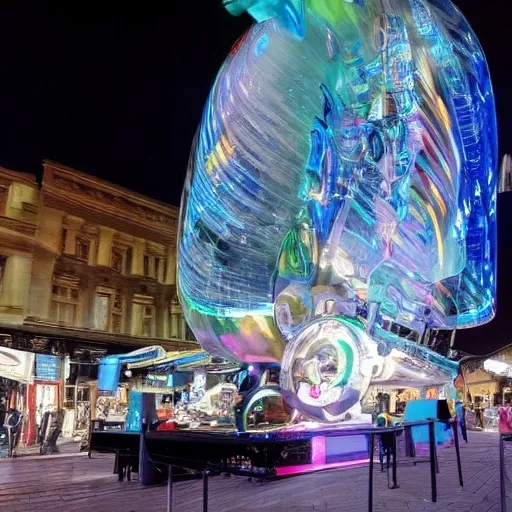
308 468
318 450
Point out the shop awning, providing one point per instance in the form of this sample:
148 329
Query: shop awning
176 359
17 365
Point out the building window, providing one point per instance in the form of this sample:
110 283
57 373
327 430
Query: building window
175 325
109 310
82 248
117 313
65 300
128 261
117 259
63 240
178 328
153 265
143 316
102 311
189 335
146 266
148 321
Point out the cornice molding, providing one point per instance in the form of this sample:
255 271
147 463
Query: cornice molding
67 189
20 226
7 177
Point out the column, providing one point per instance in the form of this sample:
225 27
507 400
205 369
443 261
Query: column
40 295
16 281
170 278
139 247
105 241
136 321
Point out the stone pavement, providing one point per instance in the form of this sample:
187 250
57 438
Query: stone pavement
78 484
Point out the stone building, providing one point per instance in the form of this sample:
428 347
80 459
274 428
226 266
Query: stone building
87 268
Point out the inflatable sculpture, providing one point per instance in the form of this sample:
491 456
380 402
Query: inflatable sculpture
340 203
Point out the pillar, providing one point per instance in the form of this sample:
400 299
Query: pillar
105 241
170 278
16 281
139 247
40 295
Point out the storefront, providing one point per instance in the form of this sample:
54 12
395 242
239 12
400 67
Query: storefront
487 386
45 376
16 388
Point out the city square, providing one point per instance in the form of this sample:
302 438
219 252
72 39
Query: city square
255 255
75 484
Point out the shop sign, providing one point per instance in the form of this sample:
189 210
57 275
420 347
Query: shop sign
47 367
17 365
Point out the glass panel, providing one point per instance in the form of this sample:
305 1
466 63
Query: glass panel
116 323
147 324
69 313
157 267
101 314
146 266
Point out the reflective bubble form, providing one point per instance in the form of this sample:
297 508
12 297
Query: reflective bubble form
342 181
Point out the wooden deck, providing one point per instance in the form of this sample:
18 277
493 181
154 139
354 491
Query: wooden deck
77 484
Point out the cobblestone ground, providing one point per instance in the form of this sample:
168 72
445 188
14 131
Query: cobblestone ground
73 483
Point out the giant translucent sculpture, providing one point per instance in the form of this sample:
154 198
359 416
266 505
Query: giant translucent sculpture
340 203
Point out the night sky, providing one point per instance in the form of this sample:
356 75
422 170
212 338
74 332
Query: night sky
119 95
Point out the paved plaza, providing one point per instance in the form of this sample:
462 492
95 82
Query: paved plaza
74 483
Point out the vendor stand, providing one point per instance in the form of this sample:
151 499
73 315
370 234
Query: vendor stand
122 435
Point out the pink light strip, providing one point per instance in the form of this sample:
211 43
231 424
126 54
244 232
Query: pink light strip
318 450
308 468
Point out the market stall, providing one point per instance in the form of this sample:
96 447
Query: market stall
487 387
131 398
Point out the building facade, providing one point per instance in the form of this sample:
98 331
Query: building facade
87 268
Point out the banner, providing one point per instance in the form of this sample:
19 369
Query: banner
17 365
47 367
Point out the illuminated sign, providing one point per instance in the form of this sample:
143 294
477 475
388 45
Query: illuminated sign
47 367
497 367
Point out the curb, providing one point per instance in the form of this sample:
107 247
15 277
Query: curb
21 458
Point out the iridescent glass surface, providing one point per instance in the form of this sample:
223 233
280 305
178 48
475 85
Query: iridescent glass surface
342 192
